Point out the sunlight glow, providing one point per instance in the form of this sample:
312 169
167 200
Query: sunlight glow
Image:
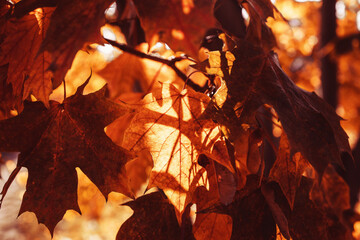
358 20
307 1
340 9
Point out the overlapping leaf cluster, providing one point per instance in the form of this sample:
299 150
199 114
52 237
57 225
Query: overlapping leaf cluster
204 147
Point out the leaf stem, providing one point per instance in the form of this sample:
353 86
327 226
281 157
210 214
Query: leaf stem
170 63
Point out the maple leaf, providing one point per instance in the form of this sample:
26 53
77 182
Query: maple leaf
53 142
27 69
168 124
72 24
288 169
182 28
154 218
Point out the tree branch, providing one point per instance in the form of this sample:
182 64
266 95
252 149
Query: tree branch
170 63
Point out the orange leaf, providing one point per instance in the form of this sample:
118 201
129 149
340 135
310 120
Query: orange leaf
168 124
27 69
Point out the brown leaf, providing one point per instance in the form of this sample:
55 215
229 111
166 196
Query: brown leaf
288 169
168 124
263 8
138 171
182 27
211 226
229 14
23 7
154 218
54 141
252 218
332 193
72 24
306 220
27 72
222 187
312 127
269 193
7 99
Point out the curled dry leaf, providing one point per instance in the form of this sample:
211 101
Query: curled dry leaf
180 26
53 142
168 124
27 71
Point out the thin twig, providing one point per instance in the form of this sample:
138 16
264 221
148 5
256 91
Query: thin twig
64 89
170 63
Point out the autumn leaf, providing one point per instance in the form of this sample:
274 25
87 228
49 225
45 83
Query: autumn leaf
312 127
168 124
306 211
324 140
27 71
7 99
181 26
229 14
252 218
210 226
263 8
288 169
53 142
154 218
72 24
222 187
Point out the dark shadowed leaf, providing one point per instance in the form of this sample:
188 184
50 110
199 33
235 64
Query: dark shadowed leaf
72 24
181 24
54 141
154 218
288 169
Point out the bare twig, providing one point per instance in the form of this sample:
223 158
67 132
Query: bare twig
64 89
170 63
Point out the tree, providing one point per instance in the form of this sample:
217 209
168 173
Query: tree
196 118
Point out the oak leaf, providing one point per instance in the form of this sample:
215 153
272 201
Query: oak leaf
181 27
27 71
53 142
312 126
169 125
